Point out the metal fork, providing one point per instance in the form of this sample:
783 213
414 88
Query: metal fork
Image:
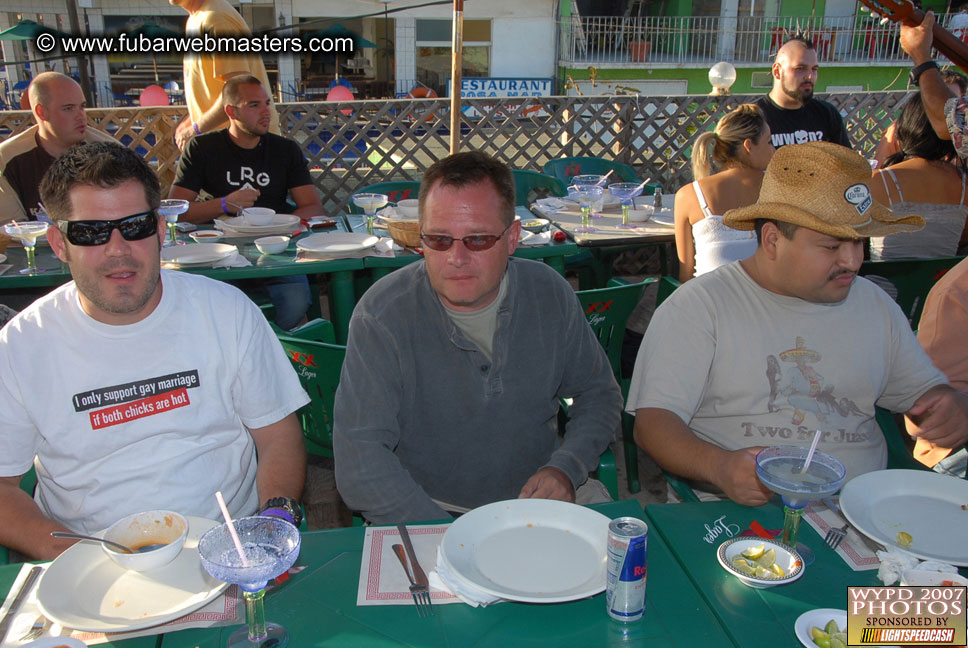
418 592
39 627
835 536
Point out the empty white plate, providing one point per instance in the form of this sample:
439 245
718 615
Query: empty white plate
532 550
336 242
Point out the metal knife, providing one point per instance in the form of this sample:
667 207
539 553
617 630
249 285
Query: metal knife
418 572
18 599
871 544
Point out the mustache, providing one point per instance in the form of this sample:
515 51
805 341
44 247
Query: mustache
840 273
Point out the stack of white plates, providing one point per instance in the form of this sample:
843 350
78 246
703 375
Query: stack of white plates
281 224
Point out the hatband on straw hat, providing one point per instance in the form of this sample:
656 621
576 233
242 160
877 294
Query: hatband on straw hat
824 187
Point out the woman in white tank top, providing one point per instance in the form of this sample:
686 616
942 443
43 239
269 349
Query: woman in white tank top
728 166
920 179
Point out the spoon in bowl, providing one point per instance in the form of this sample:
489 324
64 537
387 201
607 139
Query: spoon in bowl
79 536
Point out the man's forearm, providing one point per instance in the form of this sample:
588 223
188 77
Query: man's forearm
24 528
668 440
281 469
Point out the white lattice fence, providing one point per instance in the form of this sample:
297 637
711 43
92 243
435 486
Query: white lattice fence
353 144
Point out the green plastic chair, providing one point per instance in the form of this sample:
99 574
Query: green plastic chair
28 483
566 168
913 279
607 311
396 191
531 185
318 365
317 330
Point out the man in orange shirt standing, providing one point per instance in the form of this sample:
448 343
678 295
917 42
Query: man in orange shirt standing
207 72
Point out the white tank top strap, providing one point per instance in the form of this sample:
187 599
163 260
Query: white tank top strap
701 198
900 194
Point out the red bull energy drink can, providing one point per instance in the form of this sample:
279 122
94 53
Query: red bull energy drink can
625 580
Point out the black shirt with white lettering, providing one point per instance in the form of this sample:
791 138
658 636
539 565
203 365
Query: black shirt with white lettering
214 163
815 121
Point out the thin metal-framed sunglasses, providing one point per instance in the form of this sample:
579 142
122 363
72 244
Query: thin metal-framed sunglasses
474 242
86 233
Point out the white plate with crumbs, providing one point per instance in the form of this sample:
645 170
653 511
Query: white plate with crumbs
85 590
932 508
531 550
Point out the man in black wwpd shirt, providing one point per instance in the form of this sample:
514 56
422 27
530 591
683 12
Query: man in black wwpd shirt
244 166
794 115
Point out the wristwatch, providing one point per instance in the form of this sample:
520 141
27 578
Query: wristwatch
917 71
283 507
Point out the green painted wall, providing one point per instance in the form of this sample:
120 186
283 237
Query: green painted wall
869 78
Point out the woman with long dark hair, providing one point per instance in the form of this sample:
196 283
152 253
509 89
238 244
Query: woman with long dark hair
921 179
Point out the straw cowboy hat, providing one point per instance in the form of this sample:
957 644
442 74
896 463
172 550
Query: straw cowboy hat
823 187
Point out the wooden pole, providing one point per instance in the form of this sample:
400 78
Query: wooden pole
83 77
457 46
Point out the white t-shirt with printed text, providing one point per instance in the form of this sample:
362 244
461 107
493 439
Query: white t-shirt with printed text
149 415
744 366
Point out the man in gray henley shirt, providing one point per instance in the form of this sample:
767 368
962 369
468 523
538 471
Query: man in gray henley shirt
455 366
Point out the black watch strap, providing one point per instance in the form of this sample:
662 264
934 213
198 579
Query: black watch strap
917 71
287 504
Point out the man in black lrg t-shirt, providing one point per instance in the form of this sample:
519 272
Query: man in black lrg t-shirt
244 166
794 115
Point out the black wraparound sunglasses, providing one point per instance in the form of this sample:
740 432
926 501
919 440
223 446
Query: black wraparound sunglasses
474 243
98 232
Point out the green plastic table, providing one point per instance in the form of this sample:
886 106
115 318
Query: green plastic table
752 617
318 608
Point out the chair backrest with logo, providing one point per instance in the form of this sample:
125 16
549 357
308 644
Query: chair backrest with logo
318 366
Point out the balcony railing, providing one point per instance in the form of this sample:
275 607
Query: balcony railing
604 40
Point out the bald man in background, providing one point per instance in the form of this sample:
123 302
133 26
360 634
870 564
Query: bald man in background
794 115
57 103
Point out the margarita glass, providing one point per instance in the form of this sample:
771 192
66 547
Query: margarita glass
590 179
779 469
626 191
271 546
171 209
585 195
28 232
369 203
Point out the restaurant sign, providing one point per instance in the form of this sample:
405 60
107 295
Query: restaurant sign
913 616
484 87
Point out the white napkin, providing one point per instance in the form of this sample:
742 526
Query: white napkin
385 247
894 563
532 238
441 578
232 261
553 203
389 213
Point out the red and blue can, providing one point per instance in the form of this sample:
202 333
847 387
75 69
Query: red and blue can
625 581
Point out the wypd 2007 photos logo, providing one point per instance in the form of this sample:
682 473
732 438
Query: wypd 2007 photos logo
917 616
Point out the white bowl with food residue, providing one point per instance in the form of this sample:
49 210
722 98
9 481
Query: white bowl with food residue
156 538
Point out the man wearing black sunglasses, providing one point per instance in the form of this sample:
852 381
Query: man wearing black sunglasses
154 389
455 367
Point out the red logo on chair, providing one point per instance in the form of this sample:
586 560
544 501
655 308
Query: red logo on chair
599 307
572 170
304 359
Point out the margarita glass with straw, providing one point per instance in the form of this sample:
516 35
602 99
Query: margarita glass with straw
28 232
270 546
171 209
585 195
369 203
626 191
781 469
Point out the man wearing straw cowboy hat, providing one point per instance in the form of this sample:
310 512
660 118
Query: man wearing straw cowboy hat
767 350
